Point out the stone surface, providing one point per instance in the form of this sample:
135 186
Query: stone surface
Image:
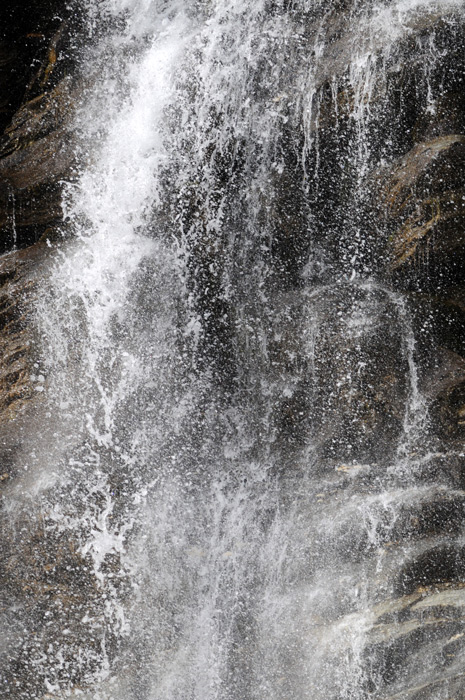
419 639
343 376
37 155
19 274
36 149
423 192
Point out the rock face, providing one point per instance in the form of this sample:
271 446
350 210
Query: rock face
36 147
352 388
423 193
36 155
19 271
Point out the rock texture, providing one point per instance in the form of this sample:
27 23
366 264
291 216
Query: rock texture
415 648
36 155
36 151
19 272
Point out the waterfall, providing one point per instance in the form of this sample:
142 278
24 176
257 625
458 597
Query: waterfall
232 436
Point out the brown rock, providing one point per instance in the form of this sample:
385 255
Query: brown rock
422 200
37 155
417 645
38 117
427 170
437 227
19 274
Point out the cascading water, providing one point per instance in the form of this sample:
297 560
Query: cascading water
212 448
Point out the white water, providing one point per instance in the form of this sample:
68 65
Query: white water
224 553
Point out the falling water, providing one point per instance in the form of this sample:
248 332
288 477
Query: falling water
211 447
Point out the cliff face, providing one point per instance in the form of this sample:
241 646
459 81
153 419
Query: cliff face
37 50
411 211
36 150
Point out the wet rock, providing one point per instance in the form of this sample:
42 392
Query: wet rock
417 644
50 600
347 28
437 565
20 272
448 412
423 203
340 385
428 169
38 117
449 686
446 467
36 155
34 51
439 324
36 149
